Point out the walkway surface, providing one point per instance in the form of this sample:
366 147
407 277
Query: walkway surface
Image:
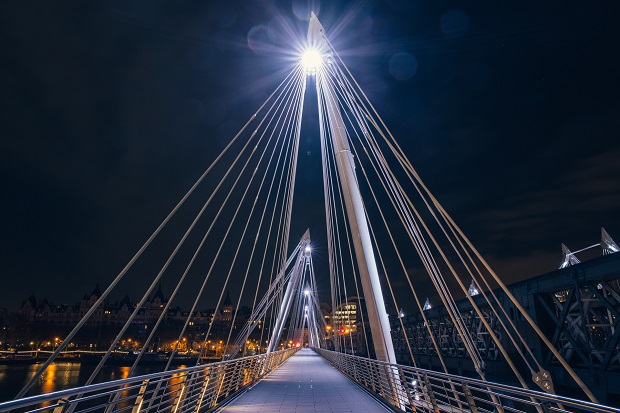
305 383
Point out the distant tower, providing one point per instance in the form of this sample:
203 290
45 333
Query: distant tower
155 306
227 308
158 300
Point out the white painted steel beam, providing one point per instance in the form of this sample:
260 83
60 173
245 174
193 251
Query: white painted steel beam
375 306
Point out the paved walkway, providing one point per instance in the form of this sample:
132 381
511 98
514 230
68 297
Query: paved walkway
305 383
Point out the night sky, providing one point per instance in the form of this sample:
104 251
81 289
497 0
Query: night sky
111 110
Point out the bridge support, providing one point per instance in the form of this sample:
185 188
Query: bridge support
291 288
371 286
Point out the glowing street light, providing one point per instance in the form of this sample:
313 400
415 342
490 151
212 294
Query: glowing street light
311 60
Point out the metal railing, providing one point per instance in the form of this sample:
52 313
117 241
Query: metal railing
413 389
186 390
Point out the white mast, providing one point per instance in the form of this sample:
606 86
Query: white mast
375 306
291 289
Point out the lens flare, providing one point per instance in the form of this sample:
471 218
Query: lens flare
311 60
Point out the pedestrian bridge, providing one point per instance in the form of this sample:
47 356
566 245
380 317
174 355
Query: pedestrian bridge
306 380
305 383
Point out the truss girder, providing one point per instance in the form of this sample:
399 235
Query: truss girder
447 336
586 323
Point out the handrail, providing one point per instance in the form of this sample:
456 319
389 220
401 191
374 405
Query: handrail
414 389
185 390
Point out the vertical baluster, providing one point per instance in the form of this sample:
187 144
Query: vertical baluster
470 398
207 377
62 403
429 394
140 398
403 379
181 395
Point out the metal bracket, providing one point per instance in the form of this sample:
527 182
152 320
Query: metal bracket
62 403
543 380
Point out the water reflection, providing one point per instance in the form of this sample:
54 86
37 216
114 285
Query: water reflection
58 376
48 379
124 372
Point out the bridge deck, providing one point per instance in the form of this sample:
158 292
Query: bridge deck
305 383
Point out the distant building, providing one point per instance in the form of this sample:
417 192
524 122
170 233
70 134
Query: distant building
225 315
348 325
109 313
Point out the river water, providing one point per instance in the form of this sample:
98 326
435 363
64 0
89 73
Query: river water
60 376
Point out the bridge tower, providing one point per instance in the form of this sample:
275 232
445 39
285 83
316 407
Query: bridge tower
371 286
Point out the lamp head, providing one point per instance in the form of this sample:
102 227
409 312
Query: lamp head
311 61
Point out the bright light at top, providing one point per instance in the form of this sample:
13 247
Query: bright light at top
308 248
307 292
311 60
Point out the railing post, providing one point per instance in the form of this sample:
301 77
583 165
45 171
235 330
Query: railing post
240 375
430 395
204 390
260 366
216 379
268 363
62 403
221 380
470 398
234 375
403 379
393 385
371 371
140 399
194 390
366 374
380 379
181 397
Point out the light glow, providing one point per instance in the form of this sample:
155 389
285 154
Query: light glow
311 60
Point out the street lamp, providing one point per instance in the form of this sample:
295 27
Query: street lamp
311 61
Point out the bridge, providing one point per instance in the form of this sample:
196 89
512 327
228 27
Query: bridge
385 230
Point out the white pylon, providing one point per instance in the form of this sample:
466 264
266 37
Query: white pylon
291 288
371 286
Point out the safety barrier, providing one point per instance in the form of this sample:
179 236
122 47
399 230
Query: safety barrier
191 389
413 389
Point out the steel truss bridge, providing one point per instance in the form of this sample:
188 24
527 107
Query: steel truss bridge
577 307
386 233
